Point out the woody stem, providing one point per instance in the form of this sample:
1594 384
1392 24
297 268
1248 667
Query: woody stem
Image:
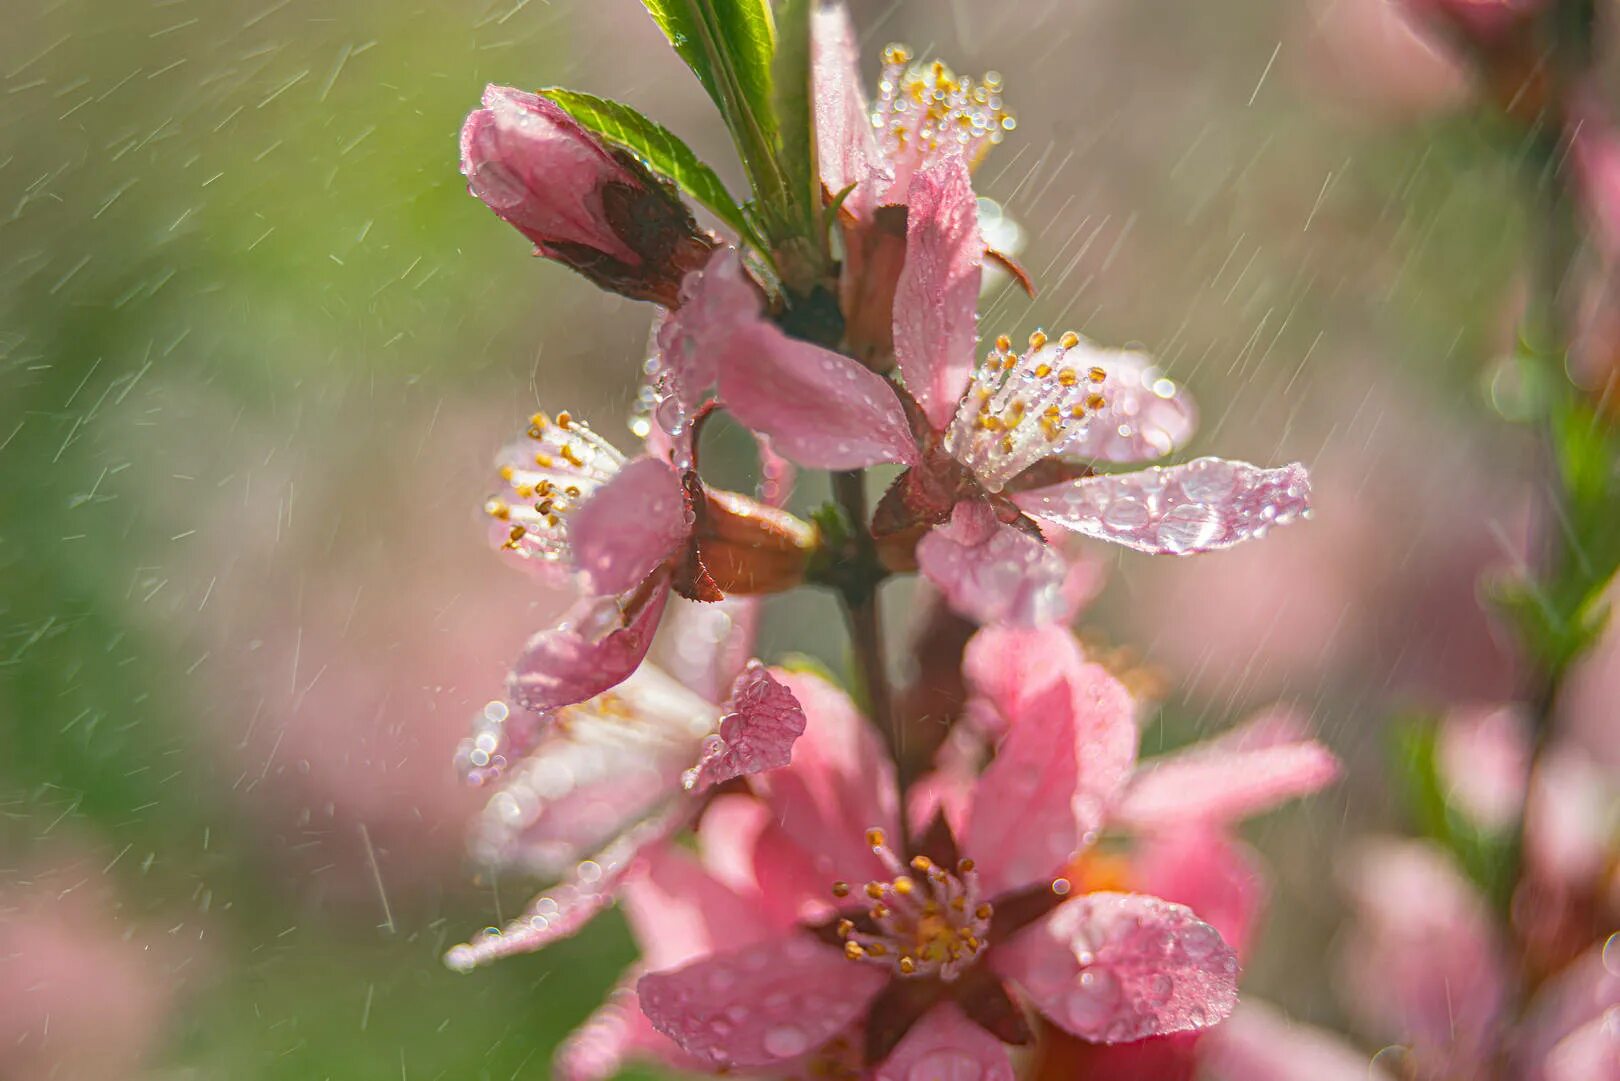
858 594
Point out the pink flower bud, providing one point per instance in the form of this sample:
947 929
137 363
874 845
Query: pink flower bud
589 206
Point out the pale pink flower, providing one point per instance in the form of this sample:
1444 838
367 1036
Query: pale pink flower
589 206
1012 437
1483 758
586 791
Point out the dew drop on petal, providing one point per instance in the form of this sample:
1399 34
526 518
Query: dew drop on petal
1126 514
1187 527
1095 998
945 1065
786 1041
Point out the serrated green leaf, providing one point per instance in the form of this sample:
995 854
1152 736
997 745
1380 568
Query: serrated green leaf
663 151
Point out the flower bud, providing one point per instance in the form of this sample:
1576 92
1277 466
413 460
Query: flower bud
749 547
587 205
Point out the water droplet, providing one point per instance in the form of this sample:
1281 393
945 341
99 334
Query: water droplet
498 185
1208 481
1094 1000
785 1041
1188 527
1160 986
1126 514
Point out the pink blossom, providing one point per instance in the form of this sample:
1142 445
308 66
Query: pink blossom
589 206
1017 430
1483 758
1105 966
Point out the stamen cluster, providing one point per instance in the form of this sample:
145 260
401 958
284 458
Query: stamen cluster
559 465
923 107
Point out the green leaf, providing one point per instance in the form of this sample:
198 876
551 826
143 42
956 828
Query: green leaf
729 44
790 81
660 148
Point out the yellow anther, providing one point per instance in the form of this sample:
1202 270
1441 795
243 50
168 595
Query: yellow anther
1097 375
1077 410
537 425
1037 340
903 886
573 456
496 508
525 490
1006 444
984 911
878 911
1043 370
876 838
965 866
517 534
908 966
853 951
1068 378
896 54
1069 340
564 419
572 491
544 461
1003 344
507 472
1095 402
840 889
874 890
877 949
846 928
921 863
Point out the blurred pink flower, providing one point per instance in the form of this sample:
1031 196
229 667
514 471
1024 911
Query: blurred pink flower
1366 56
85 990
1483 757
587 205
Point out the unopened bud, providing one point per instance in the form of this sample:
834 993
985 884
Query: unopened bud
587 205
749 547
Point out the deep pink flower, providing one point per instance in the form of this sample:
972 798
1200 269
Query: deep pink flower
589 206
1011 436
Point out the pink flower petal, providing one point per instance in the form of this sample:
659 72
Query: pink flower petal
743 847
839 784
706 644
760 1005
573 661
612 1037
1584 989
714 302
1203 506
846 147
1146 416
936 299
821 409
1483 758
1589 1053
567 907
543 467
1569 818
1052 781
1008 667
946 1046
679 913
630 526
757 733
1220 879
990 572
1212 784
1258 1044
1116 967
1422 964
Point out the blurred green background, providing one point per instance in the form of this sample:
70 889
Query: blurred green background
257 347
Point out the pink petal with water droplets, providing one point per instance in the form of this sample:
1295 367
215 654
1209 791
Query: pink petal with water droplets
678 912
612 1037
1589 1053
760 1005
1220 879
568 906
1145 415
935 301
1422 963
630 526
1116 967
821 409
1007 667
990 572
569 663
946 1046
839 784
846 147
1203 506
714 301
756 734
1052 781
706 644
1258 1044
1212 784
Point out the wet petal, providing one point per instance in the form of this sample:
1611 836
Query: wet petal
678 912
743 847
574 660
756 734
846 146
946 1046
630 526
839 784
759 1005
1214 784
613 1036
991 572
1258 1044
819 408
1052 781
1590 1052
1220 879
1582 991
935 302
1007 667
706 644
567 907
1116 967
1144 415
1203 506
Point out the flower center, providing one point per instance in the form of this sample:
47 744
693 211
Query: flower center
560 464
922 107
1022 407
929 922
